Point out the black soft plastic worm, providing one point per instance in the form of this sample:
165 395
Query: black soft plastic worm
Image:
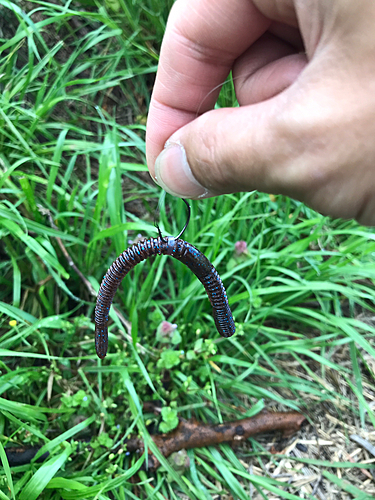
180 250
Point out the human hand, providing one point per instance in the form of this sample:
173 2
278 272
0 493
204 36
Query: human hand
306 122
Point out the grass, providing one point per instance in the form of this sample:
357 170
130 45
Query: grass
75 85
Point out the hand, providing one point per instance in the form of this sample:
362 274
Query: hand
304 75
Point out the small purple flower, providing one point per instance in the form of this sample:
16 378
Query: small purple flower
165 327
240 247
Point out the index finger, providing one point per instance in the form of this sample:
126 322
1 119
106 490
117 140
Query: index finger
203 38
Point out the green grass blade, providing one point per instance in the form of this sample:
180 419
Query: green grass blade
44 474
7 470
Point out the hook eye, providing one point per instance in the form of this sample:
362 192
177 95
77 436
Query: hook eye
185 226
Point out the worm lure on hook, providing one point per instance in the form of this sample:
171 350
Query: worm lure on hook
180 250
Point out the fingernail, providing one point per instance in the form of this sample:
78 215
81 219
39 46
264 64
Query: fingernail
174 175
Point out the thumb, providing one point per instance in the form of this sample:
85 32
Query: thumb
224 151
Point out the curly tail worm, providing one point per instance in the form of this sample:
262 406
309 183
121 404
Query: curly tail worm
180 250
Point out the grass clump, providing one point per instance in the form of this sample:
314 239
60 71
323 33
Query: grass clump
75 84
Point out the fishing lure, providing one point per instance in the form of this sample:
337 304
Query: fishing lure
180 250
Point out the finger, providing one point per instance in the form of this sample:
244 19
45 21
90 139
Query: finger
224 151
288 34
202 40
279 10
268 67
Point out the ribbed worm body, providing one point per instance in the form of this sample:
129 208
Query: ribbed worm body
180 250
